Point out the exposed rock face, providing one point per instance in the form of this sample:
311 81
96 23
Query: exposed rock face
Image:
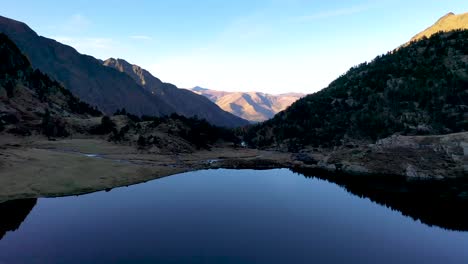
253 106
428 157
185 102
446 23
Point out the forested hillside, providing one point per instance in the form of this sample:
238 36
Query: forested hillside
421 88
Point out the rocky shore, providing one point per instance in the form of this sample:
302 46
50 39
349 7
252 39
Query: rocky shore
429 157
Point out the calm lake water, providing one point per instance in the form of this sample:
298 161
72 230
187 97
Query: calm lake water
222 216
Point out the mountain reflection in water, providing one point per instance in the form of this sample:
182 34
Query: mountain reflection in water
13 213
442 203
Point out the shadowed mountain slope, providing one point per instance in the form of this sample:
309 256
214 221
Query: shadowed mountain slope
83 75
30 101
185 102
108 88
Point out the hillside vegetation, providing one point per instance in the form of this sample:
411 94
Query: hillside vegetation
168 134
419 89
32 102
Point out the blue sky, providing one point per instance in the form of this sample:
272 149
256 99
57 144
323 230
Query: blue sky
273 46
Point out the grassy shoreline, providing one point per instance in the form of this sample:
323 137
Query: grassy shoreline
34 167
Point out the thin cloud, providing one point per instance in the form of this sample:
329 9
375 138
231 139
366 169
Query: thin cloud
99 43
141 37
335 13
87 43
245 28
76 23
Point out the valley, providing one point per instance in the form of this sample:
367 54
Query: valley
64 136
375 164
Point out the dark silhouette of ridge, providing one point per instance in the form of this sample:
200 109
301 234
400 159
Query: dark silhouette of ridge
13 213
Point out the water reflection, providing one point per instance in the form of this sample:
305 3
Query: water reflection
442 203
232 216
13 213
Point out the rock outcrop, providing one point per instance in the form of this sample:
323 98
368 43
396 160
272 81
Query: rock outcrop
422 157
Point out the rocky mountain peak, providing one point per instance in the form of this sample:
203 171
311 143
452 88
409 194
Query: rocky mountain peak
448 22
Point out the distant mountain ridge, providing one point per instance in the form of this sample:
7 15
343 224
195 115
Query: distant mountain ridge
185 102
108 88
446 23
253 106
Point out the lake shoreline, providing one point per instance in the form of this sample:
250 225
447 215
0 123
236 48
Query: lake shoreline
34 167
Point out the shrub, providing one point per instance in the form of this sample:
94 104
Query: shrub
53 127
141 141
107 126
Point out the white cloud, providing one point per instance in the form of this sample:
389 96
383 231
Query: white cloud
247 28
141 37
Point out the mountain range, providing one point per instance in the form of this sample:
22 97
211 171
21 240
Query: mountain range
183 101
252 106
110 88
114 84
